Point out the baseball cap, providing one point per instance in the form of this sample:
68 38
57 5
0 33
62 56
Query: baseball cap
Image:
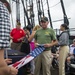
44 19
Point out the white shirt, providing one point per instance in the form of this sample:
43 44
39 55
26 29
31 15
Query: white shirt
72 47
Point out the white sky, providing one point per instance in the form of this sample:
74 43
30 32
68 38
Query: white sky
56 12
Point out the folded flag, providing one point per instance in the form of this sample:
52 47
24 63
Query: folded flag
29 57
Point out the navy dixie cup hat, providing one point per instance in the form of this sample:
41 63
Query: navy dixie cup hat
44 19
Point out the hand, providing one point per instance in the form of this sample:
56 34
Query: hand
36 44
8 61
20 39
47 45
11 37
28 32
13 71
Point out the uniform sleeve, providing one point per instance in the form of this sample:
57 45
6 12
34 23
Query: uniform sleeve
53 36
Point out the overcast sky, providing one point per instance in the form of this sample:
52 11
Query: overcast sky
56 12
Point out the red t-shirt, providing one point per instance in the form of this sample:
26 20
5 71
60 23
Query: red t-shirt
17 34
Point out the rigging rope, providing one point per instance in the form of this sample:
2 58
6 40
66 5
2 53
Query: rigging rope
55 5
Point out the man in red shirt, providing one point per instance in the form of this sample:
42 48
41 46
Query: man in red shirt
17 35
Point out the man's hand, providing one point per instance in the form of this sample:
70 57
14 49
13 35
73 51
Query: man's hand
36 44
47 45
20 39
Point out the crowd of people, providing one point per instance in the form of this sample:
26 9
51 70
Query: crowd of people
26 39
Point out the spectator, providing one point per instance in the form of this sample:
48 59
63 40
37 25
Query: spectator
72 47
71 52
32 46
25 47
17 35
64 48
4 38
44 36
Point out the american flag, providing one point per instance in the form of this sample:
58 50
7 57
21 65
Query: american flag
29 57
